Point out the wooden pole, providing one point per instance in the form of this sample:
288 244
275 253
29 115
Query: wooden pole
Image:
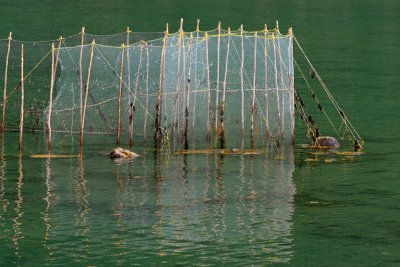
254 92
5 83
80 70
54 62
222 131
178 86
267 131
208 90
278 133
21 123
188 95
291 86
217 88
147 92
282 84
86 95
157 123
130 105
135 94
195 80
121 84
48 123
241 84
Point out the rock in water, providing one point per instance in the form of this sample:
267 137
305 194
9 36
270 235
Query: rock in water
326 142
120 153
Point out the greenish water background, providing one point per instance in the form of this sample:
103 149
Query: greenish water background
209 210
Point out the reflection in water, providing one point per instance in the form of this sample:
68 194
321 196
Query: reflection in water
3 200
46 214
18 210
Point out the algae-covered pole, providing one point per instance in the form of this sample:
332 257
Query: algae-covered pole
80 70
254 92
21 122
121 83
208 90
86 95
188 94
157 123
267 131
5 83
241 84
222 130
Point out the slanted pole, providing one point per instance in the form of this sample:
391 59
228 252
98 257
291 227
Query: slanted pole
86 96
254 92
21 122
121 84
208 90
5 83
222 130
80 70
241 84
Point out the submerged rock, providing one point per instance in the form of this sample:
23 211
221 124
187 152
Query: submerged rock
120 153
326 142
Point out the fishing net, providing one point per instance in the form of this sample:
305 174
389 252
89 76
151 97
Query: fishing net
219 88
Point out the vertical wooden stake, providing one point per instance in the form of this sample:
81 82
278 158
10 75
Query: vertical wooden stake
208 135
80 70
157 123
291 85
48 123
241 84
121 84
147 92
195 80
86 96
21 122
267 131
222 130
5 83
186 131
128 66
178 86
284 91
217 88
278 134
254 92
135 96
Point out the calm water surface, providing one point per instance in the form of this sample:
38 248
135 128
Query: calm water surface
213 209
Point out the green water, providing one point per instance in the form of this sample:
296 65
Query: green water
213 209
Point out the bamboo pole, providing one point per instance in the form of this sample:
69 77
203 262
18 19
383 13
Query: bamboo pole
157 123
54 62
282 84
222 131
80 70
128 61
254 92
86 95
217 88
147 92
21 123
183 77
267 131
291 86
241 84
277 138
121 84
5 83
135 94
208 90
188 94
